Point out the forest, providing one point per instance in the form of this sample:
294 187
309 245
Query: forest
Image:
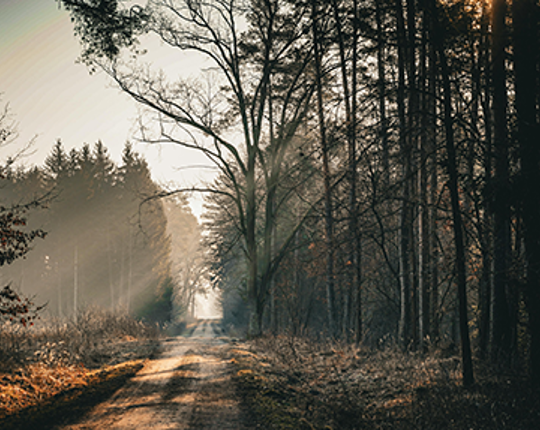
379 168
107 243
379 161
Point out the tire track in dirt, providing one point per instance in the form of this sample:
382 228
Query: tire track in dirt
187 387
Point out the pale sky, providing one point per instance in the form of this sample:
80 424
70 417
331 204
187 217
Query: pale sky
52 97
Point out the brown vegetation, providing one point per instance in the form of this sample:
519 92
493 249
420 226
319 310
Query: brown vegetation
297 384
61 368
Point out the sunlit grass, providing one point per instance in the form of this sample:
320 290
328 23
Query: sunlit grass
56 362
62 396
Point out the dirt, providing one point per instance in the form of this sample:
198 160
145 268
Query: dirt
188 386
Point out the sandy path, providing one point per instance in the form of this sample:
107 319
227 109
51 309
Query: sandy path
187 387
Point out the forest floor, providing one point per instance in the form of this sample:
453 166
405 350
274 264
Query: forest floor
290 383
203 380
60 369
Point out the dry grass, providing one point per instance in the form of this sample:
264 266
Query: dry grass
47 409
296 384
41 364
37 382
91 339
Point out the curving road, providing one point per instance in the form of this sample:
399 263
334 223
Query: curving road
187 387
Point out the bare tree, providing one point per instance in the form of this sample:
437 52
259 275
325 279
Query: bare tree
437 39
227 122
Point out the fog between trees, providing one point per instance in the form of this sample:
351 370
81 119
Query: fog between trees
105 246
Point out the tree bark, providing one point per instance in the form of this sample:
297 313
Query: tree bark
486 236
76 282
357 252
433 162
423 209
352 264
438 41
501 182
381 89
328 213
405 326
526 62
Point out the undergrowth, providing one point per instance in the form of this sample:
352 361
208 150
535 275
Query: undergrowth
59 407
86 339
290 383
59 366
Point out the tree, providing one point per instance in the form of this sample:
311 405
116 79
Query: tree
187 257
437 39
526 22
15 243
102 248
15 240
501 206
188 117
381 152
328 210
15 237
406 331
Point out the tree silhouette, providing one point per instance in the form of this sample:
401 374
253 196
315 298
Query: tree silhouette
15 237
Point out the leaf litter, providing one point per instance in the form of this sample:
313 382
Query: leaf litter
293 383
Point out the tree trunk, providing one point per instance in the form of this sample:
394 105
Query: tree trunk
526 62
433 174
412 145
76 282
110 263
501 206
256 310
357 250
352 264
59 290
423 210
328 216
405 326
381 89
486 236
130 270
438 41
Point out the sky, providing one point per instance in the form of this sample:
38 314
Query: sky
53 97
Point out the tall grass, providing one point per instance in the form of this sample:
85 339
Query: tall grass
81 340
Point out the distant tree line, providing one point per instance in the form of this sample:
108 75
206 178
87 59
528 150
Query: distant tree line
379 161
107 245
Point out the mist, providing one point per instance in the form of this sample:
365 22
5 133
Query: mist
109 243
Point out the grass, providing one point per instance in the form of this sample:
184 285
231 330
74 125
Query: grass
90 339
290 383
86 389
60 368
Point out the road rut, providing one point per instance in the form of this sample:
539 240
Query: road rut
188 386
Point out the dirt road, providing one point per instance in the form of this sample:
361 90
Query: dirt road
187 387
